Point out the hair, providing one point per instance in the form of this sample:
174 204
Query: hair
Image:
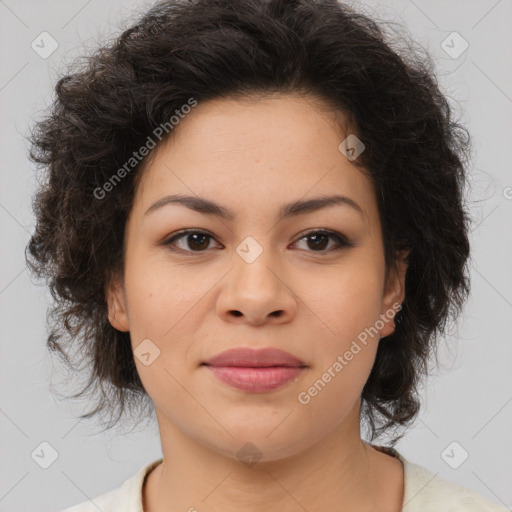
106 107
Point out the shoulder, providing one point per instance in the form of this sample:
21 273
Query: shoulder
127 497
425 491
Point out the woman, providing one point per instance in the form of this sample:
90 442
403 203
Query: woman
253 221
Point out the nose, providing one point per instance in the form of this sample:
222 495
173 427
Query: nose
257 292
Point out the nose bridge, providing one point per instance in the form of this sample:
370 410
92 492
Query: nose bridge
253 261
255 289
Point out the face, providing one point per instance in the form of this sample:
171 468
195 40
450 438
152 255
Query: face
309 281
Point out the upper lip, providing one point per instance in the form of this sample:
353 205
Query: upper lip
255 358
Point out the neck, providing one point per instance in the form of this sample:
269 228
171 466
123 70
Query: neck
339 469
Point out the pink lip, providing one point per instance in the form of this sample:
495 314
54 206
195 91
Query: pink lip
256 380
255 358
253 370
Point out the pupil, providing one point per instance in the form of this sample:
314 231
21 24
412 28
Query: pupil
197 235
316 244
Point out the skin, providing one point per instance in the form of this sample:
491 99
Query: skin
252 156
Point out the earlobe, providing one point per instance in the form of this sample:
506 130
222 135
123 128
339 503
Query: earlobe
116 300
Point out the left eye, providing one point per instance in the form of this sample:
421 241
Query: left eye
320 239
199 241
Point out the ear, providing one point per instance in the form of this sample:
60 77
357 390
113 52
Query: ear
116 300
394 294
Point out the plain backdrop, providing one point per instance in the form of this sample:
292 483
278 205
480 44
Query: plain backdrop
467 405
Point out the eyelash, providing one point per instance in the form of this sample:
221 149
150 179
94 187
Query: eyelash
343 242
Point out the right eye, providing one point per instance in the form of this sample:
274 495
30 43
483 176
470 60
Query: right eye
197 241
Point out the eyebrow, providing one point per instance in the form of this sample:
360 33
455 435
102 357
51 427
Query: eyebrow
295 208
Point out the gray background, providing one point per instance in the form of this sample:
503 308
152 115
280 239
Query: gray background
469 401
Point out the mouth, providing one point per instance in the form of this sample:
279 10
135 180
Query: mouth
255 358
256 380
256 371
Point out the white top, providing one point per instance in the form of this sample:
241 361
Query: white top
423 492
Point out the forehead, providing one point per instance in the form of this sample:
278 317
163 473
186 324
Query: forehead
287 124
271 149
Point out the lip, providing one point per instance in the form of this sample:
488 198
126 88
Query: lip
255 358
255 370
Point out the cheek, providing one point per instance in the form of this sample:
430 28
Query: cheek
345 353
347 301
167 306
346 309
163 308
160 299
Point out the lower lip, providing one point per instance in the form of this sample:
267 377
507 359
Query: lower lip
256 380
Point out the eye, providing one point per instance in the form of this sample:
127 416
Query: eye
199 241
196 240
319 240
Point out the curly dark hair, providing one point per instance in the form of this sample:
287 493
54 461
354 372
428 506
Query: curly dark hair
106 106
